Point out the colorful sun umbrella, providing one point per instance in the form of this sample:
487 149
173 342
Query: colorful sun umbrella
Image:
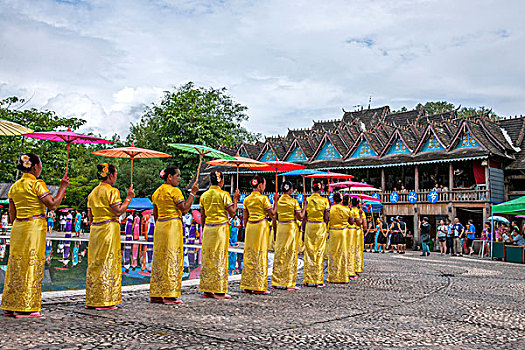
303 173
364 197
130 153
348 184
201 151
330 175
68 137
278 166
8 128
238 162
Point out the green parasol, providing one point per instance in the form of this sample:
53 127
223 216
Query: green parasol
202 151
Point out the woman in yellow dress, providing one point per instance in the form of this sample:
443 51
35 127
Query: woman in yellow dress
358 240
104 271
338 245
315 235
254 277
216 205
286 240
168 253
28 199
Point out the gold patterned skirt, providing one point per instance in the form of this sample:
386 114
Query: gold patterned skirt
286 255
338 256
314 250
168 259
255 269
214 270
352 250
25 268
104 272
359 249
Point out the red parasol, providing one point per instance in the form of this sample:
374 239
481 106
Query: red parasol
67 137
278 166
130 153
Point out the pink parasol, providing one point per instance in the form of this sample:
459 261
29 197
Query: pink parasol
364 197
348 184
67 137
330 175
278 166
196 216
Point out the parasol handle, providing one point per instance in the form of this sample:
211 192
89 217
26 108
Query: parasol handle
237 177
67 158
199 168
132 171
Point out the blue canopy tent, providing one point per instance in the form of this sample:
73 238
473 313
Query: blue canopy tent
140 204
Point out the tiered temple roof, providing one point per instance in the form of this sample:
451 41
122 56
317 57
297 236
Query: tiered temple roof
377 138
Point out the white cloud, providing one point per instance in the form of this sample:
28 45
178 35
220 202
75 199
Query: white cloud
289 62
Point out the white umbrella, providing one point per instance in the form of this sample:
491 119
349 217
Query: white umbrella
499 219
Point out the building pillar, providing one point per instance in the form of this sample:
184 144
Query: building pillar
487 184
450 176
416 178
383 179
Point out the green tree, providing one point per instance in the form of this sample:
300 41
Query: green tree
78 190
436 107
190 114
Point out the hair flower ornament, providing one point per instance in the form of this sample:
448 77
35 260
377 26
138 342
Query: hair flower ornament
162 173
286 187
218 175
254 182
26 162
104 171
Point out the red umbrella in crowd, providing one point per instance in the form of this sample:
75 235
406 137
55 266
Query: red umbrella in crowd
278 166
364 197
330 175
348 184
130 153
68 137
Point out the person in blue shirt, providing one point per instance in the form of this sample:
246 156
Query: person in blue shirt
471 235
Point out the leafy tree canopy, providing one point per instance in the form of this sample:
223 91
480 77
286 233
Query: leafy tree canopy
436 107
190 114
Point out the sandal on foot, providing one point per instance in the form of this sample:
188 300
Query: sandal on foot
106 308
247 291
208 295
28 315
262 292
293 288
156 300
9 313
320 286
224 296
173 302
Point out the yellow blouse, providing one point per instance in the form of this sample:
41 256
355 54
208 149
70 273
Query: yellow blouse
286 208
339 215
357 213
27 193
256 204
214 202
100 201
316 207
166 198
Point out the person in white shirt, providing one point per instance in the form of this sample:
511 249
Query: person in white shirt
5 222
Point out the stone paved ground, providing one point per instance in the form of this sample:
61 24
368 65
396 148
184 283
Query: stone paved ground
401 302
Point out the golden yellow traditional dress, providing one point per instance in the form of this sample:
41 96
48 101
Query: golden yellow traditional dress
315 239
338 245
168 250
255 269
104 272
357 244
25 268
286 244
215 241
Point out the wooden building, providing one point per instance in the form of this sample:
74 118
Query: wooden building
474 161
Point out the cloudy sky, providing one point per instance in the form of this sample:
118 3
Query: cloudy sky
290 62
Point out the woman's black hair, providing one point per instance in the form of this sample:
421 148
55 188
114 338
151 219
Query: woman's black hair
27 161
215 177
355 201
317 185
346 200
258 179
337 197
286 186
104 170
170 170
